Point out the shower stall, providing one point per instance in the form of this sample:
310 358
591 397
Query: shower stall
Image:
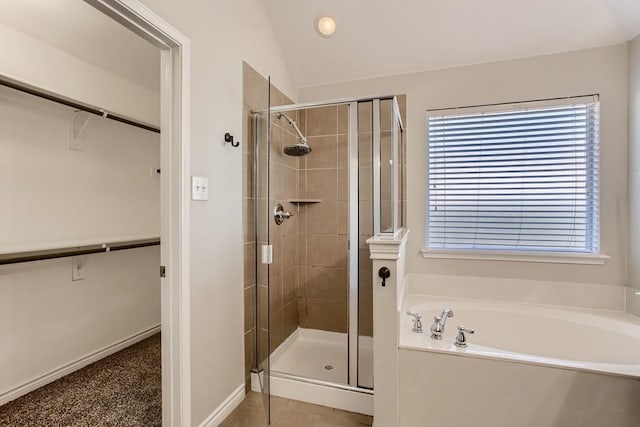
326 177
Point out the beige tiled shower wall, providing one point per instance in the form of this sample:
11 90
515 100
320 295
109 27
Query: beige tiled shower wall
284 271
323 174
283 188
323 238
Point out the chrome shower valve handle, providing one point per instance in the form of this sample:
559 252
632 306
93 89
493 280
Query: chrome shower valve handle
279 214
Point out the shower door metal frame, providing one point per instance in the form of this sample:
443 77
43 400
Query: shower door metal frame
354 208
354 246
375 127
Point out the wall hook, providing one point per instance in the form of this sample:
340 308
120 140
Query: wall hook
229 139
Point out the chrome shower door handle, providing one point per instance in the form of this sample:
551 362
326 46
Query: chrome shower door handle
279 214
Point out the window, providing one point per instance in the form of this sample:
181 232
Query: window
521 177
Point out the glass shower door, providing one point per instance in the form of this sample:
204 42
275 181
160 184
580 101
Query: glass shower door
365 211
263 253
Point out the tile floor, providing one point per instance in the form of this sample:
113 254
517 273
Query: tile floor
291 413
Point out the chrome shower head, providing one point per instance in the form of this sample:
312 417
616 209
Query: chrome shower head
300 149
297 150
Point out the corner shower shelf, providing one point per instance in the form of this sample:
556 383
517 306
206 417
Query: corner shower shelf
300 201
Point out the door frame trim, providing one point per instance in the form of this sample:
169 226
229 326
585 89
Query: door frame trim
174 200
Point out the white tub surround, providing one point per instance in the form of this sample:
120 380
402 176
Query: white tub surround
633 301
439 389
525 365
567 294
390 253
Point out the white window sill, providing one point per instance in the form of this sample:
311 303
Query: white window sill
545 257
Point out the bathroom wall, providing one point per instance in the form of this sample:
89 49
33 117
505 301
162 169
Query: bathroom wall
283 186
602 70
223 34
633 299
53 196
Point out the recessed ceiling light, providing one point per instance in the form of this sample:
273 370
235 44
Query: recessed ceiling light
326 26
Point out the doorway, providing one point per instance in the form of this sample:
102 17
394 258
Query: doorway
174 202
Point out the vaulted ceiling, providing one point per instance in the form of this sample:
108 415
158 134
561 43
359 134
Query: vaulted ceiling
373 37
381 37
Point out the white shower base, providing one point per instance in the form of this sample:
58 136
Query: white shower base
299 371
322 355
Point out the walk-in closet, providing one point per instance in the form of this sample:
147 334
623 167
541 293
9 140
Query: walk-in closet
80 185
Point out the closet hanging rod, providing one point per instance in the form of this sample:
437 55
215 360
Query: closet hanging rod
17 257
75 105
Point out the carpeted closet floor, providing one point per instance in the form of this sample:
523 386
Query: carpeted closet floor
122 390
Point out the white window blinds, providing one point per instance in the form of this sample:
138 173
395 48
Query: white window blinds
522 177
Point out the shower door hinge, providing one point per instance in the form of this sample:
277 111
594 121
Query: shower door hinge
163 271
267 254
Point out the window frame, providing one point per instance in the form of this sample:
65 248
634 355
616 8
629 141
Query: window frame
571 257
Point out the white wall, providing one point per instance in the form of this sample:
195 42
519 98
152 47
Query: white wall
52 196
29 60
223 34
602 70
634 174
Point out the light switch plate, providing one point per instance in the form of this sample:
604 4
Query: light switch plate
199 188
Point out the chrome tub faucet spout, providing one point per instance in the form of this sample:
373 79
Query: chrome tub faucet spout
439 322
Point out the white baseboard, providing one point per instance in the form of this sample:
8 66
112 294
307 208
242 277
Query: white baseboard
318 393
77 364
225 408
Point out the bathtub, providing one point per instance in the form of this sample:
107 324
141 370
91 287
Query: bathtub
591 340
526 365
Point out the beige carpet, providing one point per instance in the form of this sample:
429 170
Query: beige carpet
121 390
